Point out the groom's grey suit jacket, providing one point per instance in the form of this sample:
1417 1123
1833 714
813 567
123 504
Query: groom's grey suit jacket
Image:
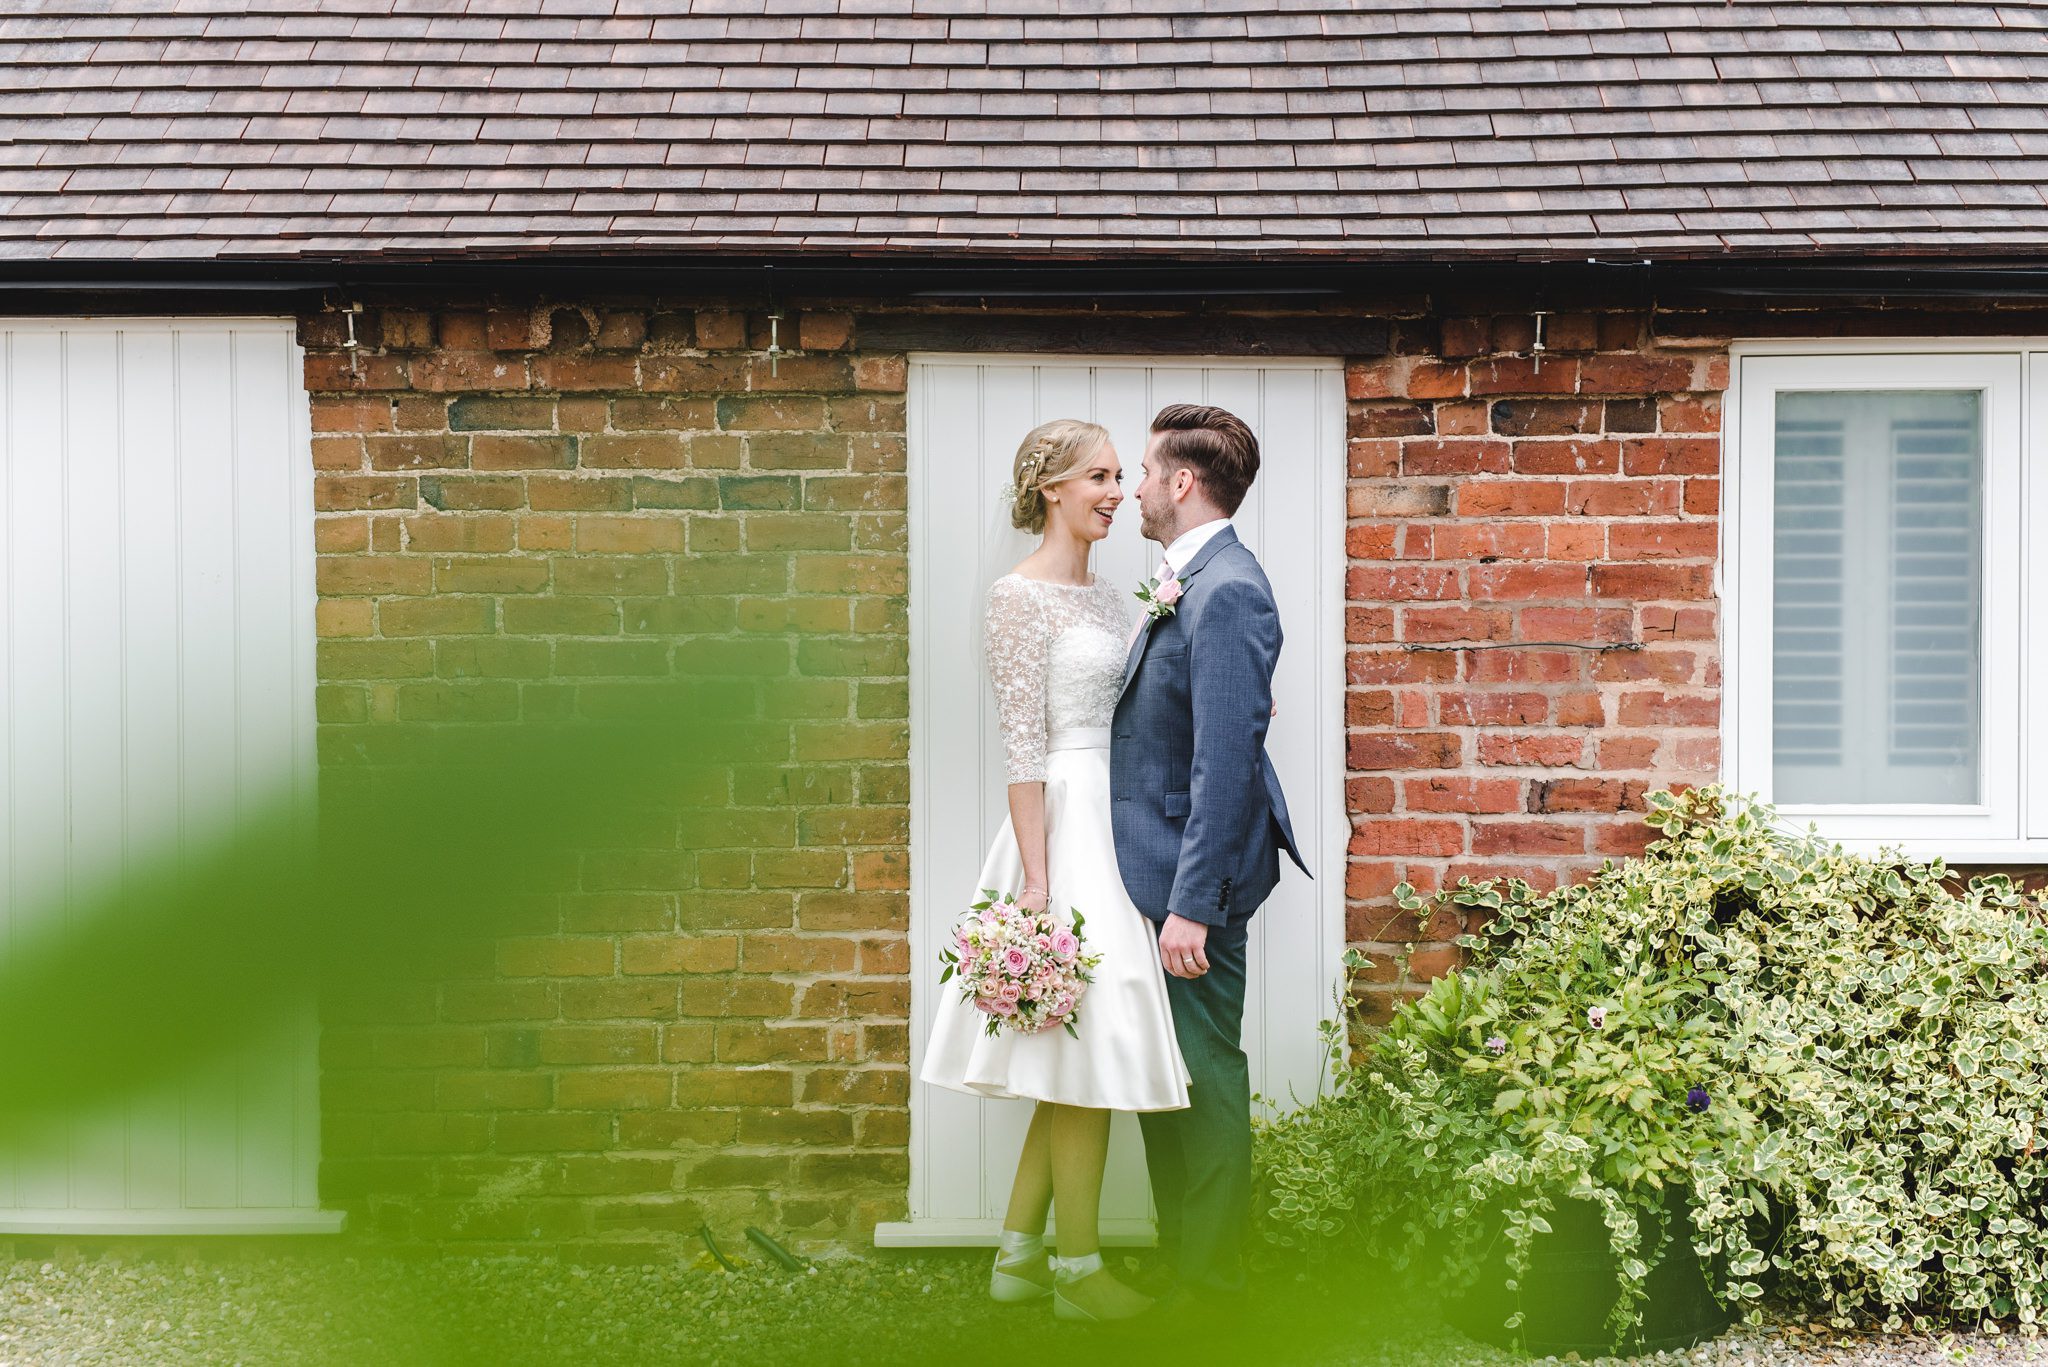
1195 805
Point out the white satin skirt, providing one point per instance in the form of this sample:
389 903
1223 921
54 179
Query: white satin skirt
1123 1055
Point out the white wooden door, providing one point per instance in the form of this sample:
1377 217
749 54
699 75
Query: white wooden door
967 415
156 676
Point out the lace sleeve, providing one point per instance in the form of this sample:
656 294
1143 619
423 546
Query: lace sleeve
1017 649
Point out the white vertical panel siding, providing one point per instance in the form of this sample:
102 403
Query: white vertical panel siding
966 418
156 683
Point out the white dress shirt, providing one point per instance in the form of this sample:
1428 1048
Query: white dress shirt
1193 539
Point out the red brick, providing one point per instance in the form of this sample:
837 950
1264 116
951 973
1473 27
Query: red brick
466 371
1545 417
1622 497
1372 458
1400 666
1369 542
1398 500
1678 624
1583 795
1697 755
1645 583
1671 455
1593 626
1406 836
574 374
1493 709
1369 707
1662 540
1521 583
1572 332
1434 380
1579 709
1465 336
1628 752
1373 750
1522 666
1522 375
1669 709
1553 752
1495 795
1459 456
1624 839
825 331
1689 413
885 374
1472 541
1389 420
1634 374
1468 419
1527 837
1566 456
1427 965
1445 624
1511 498
1401 583
1575 540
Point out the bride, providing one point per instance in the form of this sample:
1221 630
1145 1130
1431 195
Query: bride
1057 638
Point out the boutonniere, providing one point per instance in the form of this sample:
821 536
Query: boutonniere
1159 595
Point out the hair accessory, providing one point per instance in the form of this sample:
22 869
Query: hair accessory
1027 468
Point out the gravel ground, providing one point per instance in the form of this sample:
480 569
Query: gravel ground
436 1311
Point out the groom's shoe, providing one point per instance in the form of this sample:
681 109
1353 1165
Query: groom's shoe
1026 1279
1155 1277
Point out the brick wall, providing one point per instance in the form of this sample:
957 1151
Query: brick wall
1496 502
524 508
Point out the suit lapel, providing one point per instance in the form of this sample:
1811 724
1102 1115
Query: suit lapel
1226 537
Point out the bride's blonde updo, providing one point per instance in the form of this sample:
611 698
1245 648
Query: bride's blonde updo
1049 454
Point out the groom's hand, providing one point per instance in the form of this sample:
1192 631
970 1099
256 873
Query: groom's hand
1181 947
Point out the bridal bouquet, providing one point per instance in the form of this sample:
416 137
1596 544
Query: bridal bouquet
1021 968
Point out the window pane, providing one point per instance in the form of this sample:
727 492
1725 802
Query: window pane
1877 650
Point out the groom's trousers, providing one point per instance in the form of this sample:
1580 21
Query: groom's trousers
1201 1157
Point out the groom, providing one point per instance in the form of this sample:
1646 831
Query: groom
1199 819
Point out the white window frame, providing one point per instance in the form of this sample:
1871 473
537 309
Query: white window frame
2011 821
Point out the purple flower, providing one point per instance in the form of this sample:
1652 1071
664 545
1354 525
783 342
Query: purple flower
1696 1099
1596 1016
1497 1045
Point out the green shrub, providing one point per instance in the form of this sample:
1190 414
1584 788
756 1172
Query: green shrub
1837 1056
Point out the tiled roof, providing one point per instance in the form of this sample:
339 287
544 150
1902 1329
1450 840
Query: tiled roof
319 129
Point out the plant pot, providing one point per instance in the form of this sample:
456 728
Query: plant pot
1569 1289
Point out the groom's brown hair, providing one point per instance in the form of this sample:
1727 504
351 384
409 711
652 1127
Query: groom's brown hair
1213 443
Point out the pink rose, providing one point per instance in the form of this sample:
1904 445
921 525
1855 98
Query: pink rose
1003 1008
1168 592
1009 992
1065 944
1016 960
1043 941
1062 1006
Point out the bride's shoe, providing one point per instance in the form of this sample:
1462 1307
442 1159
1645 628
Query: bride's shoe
1024 1279
1098 1298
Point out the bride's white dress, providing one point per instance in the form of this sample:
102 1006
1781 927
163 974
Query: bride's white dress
1056 655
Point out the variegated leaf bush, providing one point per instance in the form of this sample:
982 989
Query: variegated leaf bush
1837 1056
